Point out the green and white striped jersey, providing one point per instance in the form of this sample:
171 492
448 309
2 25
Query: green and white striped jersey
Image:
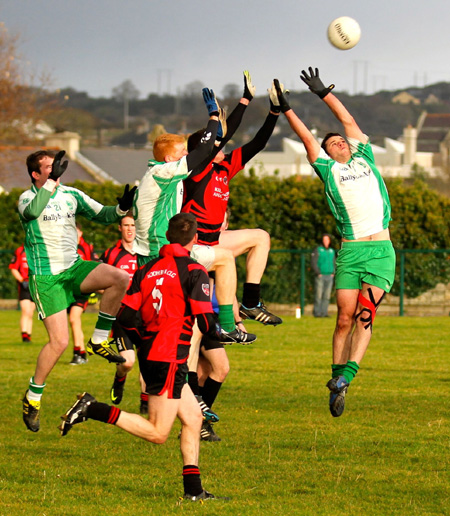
49 223
355 192
158 198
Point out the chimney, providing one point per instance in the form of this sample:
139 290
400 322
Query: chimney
410 139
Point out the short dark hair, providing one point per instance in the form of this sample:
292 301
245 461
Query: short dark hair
182 228
33 161
326 138
194 139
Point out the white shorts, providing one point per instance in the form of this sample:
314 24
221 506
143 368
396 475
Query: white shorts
204 255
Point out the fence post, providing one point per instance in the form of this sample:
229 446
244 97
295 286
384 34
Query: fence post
302 281
402 281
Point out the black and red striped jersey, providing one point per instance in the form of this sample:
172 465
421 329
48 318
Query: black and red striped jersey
19 262
119 257
206 196
85 250
169 292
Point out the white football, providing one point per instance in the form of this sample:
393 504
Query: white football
344 32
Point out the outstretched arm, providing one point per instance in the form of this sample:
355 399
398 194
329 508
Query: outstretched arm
311 144
315 84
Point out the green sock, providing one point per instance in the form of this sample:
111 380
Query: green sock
226 317
102 327
35 391
337 370
350 370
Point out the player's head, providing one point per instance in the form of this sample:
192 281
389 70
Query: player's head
169 147
38 159
127 228
182 229
194 141
334 144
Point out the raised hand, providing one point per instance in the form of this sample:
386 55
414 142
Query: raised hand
282 95
211 102
314 82
249 89
58 168
126 201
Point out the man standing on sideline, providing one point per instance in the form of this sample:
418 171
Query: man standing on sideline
58 275
19 269
359 201
323 263
170 292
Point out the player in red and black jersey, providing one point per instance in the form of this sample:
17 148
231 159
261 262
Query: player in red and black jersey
170 292
76 309
206 196
122 256
19 269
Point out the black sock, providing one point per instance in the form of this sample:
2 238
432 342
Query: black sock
210 390
83 354
120 379
193 382
251 295
191 480
103 412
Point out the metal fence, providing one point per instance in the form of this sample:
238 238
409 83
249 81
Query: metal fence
289 278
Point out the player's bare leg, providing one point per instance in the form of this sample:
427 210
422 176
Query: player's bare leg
256 243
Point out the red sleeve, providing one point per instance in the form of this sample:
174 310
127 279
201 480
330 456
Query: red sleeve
235 162
15 262
200 298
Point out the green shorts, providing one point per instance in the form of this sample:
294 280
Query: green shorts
53 293
371 262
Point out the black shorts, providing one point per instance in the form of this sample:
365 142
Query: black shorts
207 343
82 302
24 293
123 342
163 376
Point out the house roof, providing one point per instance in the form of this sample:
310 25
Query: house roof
123 165
13 170
432 131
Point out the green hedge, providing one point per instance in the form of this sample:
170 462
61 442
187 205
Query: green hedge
295 214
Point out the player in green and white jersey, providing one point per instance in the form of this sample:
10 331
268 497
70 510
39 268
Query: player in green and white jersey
359 201
58 275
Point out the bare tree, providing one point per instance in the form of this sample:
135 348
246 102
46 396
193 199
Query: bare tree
22 105
125 92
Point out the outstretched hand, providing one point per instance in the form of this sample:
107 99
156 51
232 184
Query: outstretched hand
282 95
126 201
211 102
58 168
249 88
314 82
222 128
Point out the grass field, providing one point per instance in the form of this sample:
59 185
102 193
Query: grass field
281 451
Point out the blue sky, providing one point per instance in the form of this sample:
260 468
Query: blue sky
94 45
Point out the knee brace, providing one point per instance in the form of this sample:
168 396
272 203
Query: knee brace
367 314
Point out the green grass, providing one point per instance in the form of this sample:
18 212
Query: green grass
281 451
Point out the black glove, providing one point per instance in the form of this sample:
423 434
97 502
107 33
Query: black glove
58 168
249 89
282 96
314 82
25 285
126 201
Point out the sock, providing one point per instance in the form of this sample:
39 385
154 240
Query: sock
120 379
144 396
102 328
76 350
35 391
26 337
191 480
350 370
337 370
83 354
251 295
210 390
226 318
103 412
193 382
